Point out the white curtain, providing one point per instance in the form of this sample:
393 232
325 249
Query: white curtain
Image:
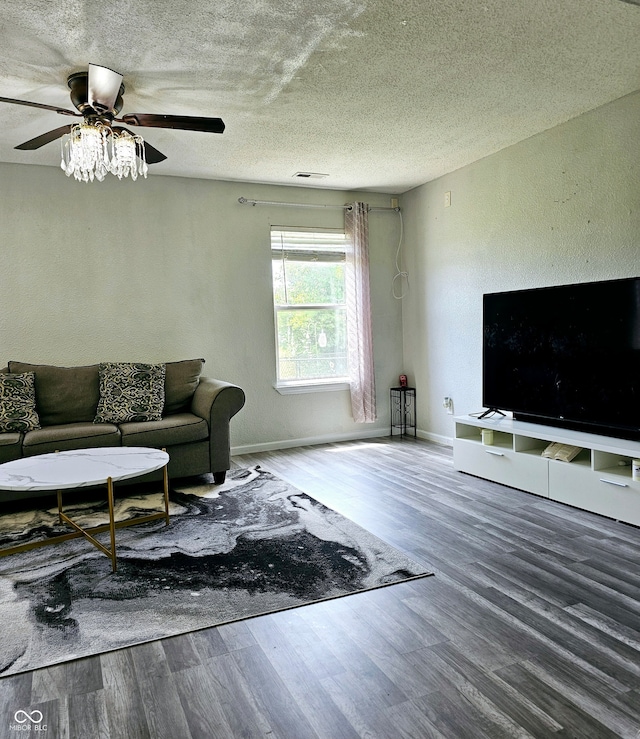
360 344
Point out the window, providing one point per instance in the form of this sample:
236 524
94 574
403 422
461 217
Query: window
310 306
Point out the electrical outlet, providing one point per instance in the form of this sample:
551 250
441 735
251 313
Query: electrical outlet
448 404
394 202
447 199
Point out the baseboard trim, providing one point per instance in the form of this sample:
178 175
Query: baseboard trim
272 446
435 438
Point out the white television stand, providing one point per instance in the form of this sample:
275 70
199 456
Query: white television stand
597 480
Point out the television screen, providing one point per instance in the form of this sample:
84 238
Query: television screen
566 356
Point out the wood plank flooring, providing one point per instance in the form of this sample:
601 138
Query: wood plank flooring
530 627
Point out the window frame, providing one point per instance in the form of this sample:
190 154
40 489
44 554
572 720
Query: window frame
318 253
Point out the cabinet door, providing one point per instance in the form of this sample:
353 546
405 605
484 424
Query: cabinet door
517 469
595 491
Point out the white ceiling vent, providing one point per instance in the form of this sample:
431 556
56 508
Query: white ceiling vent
310 175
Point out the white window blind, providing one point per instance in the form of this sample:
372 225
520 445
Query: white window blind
310 306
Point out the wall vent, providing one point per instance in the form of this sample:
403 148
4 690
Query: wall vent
310 175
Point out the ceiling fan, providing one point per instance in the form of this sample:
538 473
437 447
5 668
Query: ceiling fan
97 95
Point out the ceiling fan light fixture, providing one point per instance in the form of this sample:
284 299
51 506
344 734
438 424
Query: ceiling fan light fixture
127 155
91 150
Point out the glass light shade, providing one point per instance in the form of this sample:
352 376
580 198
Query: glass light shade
91 150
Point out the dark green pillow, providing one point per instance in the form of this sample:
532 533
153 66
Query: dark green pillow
63 394
180 384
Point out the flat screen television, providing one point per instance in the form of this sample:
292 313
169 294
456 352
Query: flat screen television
566 356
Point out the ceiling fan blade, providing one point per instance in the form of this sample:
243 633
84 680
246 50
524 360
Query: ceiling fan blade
45 138
182 122
151 154
104 87
62 111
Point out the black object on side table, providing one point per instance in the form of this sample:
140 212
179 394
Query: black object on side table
403 410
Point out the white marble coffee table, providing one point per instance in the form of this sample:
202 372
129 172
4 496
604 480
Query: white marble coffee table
80 468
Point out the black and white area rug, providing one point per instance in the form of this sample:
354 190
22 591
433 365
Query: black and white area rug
252 546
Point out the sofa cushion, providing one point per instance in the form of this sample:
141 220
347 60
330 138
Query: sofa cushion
63 394
130 391
18 402
10 446
180 384
70 436
179 428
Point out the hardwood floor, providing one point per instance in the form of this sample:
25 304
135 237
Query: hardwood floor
530 627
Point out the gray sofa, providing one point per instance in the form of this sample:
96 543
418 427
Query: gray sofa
194 428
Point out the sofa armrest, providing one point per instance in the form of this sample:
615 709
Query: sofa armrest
217 402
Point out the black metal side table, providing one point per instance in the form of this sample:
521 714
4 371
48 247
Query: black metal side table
403 410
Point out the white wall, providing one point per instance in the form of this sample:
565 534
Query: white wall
169 269
174 268
560 207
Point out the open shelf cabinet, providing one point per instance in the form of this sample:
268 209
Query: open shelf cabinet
598 479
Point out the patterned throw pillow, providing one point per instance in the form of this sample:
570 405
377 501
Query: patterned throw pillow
130 391
18 402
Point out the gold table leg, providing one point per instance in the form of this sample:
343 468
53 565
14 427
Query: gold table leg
112 523
165 485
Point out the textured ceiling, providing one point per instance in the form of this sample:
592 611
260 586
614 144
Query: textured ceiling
378 94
